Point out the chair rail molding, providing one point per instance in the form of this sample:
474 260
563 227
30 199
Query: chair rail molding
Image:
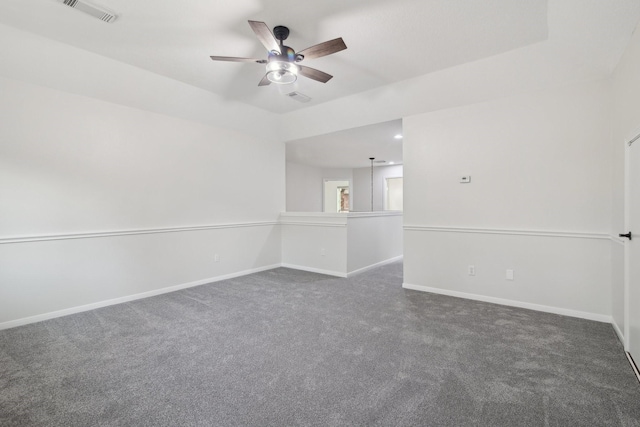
130 232
537 233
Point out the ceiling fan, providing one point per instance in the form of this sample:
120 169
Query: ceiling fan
282 61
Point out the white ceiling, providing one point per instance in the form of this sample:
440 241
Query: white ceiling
388 41
404 57
351 148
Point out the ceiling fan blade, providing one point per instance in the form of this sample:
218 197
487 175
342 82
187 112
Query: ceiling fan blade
324 49
265 35
234 59
314 74
265 81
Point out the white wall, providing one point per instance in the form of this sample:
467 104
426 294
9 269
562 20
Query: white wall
44 279
340 244
539 201
305 185
625 124
373 240
304 188
315 241
75 167
72 166
361 197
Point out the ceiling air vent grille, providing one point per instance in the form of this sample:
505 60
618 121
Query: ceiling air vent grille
299 97
95 11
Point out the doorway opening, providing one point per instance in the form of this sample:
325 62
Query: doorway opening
393 194
336 198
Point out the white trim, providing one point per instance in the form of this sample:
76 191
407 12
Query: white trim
617 240
320 219
313 224
538 307
377 264
385 190
314 219
633 365
627 226
96 234
314 270
618 330
128 298
341 215
374 214
314 214
567 234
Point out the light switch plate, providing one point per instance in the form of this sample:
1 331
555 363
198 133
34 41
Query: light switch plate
465 179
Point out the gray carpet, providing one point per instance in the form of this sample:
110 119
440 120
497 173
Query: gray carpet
284 348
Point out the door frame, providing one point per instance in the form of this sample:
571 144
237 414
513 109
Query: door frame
631 139
324 181
385 190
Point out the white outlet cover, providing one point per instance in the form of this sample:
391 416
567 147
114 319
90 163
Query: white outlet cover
465 179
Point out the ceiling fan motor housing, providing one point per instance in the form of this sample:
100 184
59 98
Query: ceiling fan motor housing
281 32
287 55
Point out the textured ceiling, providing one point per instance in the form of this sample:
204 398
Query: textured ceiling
388 41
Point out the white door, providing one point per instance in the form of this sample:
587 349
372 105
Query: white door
633 248
393 195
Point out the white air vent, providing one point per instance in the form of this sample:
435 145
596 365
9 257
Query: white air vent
299 97
95 11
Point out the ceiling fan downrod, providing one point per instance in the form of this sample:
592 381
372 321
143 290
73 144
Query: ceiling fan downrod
281 33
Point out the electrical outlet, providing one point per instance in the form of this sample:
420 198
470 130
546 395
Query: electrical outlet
509 275
216 258
322 252
472 270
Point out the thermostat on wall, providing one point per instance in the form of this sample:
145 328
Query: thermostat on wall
465 179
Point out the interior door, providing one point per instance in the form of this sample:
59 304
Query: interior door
394 194
633 248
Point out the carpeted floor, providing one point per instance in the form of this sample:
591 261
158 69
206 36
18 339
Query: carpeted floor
284 348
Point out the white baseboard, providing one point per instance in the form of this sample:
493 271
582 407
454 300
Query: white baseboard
538 307
314 270
100 304
341 274
378 264
619 332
